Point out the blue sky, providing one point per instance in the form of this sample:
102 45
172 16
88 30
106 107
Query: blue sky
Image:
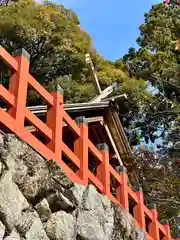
112 24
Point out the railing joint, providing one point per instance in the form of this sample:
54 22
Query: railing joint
59 89
164 222
138 188
121 169
80 120
21 52
152 206
102 147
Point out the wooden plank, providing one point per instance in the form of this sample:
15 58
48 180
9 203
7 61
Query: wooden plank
95 135
10 61
117 133
94 151
42 127
6 95
90 120
41 90
113 144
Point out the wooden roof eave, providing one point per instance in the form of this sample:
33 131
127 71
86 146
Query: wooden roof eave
117 132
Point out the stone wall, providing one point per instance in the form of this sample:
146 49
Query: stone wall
38 202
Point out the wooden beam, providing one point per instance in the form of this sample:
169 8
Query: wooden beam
90 120
113 143
96 135
117 133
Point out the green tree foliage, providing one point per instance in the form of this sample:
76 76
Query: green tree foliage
157 62
50 34
160 183
57 46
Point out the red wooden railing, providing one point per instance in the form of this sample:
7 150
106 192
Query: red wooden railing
14 120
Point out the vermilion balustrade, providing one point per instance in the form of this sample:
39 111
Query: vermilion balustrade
14 119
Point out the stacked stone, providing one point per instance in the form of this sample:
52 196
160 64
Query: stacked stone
38 201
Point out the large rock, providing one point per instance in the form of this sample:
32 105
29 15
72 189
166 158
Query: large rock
12 202
95 216
14 235
36 231
58 176
30 227
58 201
124 226
29 170
61 226
2 230
66 199
75 194
34 176
43 210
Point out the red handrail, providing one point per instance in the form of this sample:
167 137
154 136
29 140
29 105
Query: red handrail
14 119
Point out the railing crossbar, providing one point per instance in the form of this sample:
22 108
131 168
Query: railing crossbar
54 148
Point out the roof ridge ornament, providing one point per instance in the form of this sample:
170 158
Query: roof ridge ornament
102 94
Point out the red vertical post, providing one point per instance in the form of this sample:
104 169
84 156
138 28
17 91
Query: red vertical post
122 189
54 120
138 209
165 224
153 225
81 148
18 86
102 171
